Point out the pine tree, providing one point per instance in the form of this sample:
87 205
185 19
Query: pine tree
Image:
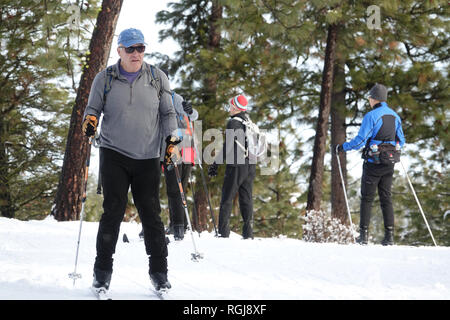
316 177
194 25
338 136
69 194
409 54
270 49
245 62
376 55
34 69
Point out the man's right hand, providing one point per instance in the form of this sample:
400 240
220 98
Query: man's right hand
171 142
90 125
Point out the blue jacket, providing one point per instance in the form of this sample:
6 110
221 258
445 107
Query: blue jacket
381 125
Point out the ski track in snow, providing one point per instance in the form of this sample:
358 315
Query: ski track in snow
37 256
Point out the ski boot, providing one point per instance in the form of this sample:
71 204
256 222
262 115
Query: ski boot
388 237
178 232
247 234
169 229
363 238
100 285
160 282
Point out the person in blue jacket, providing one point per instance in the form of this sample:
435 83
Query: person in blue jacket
382 137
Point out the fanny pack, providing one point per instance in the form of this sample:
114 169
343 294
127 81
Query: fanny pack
386 154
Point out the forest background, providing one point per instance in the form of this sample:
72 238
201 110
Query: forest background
306 67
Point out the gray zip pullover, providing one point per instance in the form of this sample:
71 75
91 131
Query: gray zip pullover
134 120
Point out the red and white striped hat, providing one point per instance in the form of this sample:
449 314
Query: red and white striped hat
239 102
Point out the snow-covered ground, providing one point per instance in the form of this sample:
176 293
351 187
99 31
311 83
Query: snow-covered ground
37 256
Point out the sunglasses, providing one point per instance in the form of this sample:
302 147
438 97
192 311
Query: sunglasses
139 49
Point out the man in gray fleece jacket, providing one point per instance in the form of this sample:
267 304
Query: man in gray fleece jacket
137 108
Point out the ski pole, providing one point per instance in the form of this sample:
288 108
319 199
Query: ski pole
204 183
345 193
196 255
96 143
418 203
195 206
74 275
99 181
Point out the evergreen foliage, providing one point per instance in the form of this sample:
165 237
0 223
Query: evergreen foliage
409 54
273 51
38 59
248 62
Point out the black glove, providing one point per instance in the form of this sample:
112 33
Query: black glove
337 148
171 142
89 126
212 170
187 107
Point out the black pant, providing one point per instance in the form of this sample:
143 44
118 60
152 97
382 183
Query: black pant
237 179
118 173
376 176
176 209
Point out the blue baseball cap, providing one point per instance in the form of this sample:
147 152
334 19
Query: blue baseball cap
131 36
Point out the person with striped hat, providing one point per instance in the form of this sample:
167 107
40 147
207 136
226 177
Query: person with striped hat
239 172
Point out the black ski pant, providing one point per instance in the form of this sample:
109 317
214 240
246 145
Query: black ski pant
176 209
238 179
118 173
376 176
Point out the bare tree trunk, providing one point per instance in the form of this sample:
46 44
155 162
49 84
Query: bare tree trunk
202 207
213 44
5 192
317 166
6 208
68 197
338 135
210 98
